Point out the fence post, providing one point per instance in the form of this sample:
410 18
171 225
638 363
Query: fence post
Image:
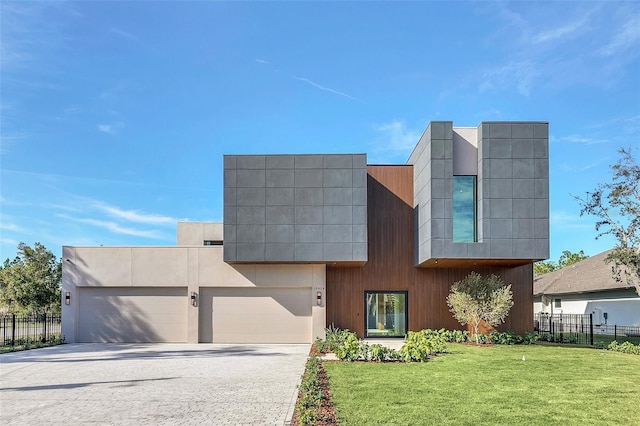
591 328
44 328
13 329
615 332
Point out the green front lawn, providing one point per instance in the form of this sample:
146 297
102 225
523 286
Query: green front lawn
491 385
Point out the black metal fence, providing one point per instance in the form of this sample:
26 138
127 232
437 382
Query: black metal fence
559 328
18 329
580 330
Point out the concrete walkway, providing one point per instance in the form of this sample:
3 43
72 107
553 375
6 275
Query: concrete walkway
151 384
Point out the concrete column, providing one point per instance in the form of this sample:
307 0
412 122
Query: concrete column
193 288
318 312
69 281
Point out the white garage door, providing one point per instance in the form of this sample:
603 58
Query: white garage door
132 315
255 315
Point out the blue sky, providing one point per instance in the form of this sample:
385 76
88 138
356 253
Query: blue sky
115 115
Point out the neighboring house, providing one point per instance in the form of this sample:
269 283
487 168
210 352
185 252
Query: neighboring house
588 287
314 240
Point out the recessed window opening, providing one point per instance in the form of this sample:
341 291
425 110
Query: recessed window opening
212 242
464 209
557 303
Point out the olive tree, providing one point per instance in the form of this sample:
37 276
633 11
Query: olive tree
616 205
477 298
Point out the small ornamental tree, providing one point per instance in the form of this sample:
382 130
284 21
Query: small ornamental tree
477 298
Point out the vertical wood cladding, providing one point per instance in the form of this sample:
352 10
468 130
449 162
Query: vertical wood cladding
390 266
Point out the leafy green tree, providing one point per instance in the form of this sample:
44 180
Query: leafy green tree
31 281
477 298
566 258
544 267
616 204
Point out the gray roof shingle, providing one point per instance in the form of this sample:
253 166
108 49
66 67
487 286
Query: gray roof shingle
591 274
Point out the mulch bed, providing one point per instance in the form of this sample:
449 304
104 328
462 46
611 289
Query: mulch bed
326 414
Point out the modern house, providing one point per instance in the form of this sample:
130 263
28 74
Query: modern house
313 240
588 287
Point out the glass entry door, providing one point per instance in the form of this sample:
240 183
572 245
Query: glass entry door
386 313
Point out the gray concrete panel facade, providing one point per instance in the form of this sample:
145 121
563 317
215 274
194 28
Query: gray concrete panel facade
512 194
295 208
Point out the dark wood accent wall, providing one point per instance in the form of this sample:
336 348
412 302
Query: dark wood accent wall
390 266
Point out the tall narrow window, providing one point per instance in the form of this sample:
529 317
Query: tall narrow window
464 209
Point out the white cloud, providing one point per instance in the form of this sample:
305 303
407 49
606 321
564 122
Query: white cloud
125 34
563 220
135 216
326 89
577 169
9 242
392 143
395 136
7 226
520 75
111 129
261 61
579 139
117 229
562 31
626 38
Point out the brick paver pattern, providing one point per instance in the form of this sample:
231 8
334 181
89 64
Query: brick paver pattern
151 384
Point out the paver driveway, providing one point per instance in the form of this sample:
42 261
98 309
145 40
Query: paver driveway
151 384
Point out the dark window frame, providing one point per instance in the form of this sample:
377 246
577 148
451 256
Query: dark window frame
406 312
474 238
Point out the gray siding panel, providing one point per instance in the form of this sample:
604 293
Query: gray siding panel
295 208
512 192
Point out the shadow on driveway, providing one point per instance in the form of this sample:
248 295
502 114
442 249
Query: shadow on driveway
82 352
124 383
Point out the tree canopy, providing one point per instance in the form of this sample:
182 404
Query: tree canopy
566 258
477 298
31 281
616 205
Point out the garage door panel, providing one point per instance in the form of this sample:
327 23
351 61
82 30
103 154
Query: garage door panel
124 314
258 315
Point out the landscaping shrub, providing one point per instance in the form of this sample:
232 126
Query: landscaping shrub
380 353
335 338
625 347
529 338
505 338
321 345
457 336
352 349
26 343
421 344
310 398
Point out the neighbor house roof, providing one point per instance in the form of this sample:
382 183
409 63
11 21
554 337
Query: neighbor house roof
591 274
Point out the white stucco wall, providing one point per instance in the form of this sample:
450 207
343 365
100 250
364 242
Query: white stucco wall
620 311
192 268
465 151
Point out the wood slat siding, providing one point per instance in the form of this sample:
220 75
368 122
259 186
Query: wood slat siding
390 266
